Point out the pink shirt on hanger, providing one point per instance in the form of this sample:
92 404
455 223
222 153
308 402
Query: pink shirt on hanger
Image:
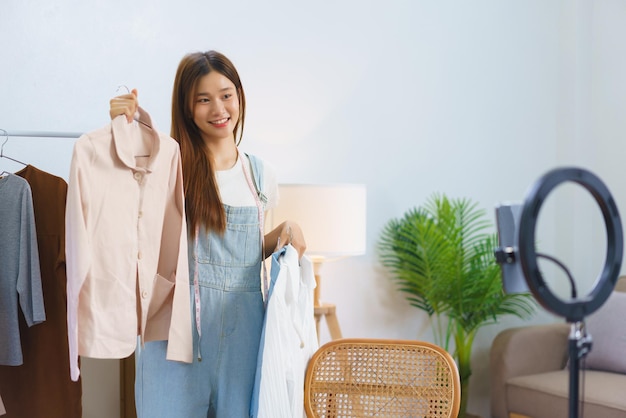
126 244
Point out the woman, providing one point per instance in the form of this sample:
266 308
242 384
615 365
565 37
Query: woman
226 194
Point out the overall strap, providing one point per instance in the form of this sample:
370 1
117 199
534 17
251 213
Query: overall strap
257 175
261 203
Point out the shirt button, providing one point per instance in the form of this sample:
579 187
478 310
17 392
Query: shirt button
139 255
144 294
137 176
140 214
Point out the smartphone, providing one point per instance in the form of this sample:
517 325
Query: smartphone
507 254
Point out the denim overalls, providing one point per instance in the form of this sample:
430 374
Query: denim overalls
220 384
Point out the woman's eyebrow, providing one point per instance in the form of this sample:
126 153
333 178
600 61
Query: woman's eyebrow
220 91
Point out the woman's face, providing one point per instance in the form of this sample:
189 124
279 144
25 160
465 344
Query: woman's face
216 107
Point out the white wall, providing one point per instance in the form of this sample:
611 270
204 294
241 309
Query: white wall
472 99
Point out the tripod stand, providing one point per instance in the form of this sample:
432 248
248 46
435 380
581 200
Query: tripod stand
579 345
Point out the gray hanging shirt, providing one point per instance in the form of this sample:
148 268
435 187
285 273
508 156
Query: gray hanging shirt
20 277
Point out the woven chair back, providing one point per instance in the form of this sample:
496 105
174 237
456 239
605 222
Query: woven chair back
381 378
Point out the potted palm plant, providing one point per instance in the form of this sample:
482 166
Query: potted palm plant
442 257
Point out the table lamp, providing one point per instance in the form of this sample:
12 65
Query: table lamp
332 218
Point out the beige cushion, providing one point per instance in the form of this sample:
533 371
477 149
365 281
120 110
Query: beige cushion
546 395
607 327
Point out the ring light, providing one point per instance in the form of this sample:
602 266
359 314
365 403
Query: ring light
576 309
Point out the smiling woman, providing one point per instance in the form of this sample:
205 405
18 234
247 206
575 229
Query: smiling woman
222 186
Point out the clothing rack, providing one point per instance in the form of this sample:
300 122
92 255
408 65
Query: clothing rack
41 134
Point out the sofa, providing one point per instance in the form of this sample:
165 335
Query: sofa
529 368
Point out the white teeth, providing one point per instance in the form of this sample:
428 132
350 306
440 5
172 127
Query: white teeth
219 122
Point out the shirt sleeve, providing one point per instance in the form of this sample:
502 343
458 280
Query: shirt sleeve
29 274
179 346
77 252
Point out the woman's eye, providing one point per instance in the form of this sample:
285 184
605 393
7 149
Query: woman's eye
203 100
227 96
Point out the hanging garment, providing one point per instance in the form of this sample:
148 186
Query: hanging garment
27 389
126 244
289 338
20 278
2 410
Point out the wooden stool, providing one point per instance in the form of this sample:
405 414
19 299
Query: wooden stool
327 310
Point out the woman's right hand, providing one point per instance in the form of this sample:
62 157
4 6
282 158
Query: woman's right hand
126 104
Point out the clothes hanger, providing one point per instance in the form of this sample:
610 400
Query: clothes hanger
6 134
134 118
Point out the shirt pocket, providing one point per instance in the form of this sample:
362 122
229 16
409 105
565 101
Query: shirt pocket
160 307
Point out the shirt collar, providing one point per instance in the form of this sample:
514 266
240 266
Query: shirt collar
125 134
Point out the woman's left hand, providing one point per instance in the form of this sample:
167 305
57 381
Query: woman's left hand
290 233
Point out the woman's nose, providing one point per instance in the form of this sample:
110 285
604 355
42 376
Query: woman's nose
218 107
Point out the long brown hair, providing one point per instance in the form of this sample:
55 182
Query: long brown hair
203 205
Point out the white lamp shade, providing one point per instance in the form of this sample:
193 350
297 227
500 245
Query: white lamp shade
332 216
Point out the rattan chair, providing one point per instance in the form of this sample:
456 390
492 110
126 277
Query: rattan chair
381 378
